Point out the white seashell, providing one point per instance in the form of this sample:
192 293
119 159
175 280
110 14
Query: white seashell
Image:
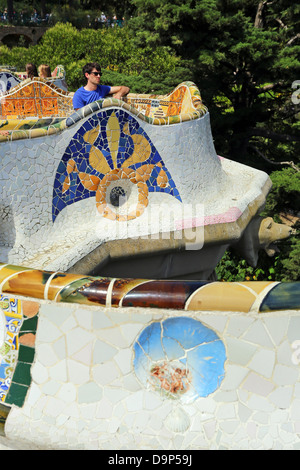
178 420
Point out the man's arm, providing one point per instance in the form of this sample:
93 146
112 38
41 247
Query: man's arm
119 91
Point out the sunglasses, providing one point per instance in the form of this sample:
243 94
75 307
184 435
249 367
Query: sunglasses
97 74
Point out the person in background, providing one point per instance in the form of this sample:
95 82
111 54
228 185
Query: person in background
31 71
44 71
34 16
93 91
102 19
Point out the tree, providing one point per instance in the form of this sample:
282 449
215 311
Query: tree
245 56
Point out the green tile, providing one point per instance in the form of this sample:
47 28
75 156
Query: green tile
22 374
16 394
26 354
29 325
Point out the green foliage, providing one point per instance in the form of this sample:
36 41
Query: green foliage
17 57
233 269
146 82
284 198
112 48
285 193
283 267
234 56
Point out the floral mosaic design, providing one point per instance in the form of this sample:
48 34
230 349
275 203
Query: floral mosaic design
18 324
180 358
113 159
10 324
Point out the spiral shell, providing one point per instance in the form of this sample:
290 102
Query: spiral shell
178 420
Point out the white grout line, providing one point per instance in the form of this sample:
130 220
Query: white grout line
46 290
260 297
11 276
4 266
109 293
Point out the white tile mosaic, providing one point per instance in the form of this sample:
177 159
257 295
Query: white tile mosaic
103 405
45 225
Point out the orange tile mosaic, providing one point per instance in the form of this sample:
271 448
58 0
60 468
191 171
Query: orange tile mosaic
185 99
35 99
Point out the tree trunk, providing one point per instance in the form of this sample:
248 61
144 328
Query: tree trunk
259 19
10 10
43 8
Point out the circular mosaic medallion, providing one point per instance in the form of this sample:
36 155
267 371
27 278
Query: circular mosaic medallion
180 358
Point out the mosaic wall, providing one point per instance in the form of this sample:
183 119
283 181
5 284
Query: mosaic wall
92 363
35 98
18 324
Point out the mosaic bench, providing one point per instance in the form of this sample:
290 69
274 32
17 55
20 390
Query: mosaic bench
35 98
97 363
182 101
107 362
161 164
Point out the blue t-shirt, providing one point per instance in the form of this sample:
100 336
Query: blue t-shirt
82 97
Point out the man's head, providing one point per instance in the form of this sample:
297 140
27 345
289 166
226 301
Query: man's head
92 72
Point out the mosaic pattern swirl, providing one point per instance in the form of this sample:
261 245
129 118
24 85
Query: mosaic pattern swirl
180 358
113 159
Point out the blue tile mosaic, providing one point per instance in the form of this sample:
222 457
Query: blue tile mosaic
130 139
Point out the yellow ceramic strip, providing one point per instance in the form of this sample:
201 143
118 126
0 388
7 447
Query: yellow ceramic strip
28 283
9 270
222 297
3 266
256 287
113 137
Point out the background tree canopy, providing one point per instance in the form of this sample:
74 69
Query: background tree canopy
242 54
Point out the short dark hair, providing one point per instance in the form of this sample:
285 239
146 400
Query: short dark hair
90 66
31 70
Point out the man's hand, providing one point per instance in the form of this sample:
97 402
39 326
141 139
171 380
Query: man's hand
119 91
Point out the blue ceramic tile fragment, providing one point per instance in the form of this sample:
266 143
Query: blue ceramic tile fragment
284 296
180 358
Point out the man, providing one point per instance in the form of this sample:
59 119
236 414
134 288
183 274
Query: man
93 91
